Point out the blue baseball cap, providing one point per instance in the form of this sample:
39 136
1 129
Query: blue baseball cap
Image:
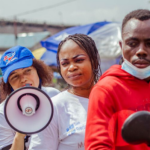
15 58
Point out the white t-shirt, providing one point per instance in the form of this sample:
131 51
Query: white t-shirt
66 131
6 132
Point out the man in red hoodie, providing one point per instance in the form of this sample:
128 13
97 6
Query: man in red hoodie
123 89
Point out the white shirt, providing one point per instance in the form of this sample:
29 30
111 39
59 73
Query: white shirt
6 132
66 131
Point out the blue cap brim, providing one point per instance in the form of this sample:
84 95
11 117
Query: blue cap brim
20 64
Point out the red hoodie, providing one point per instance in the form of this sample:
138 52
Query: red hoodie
116 96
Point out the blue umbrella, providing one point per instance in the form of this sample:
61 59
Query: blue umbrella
51 44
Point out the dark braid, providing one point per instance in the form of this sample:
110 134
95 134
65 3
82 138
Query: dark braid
88 45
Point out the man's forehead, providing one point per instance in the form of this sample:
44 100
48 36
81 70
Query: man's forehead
131 24
135 25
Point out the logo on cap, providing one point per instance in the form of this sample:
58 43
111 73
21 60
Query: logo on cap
9 57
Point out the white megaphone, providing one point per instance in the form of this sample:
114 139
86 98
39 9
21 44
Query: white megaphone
28 110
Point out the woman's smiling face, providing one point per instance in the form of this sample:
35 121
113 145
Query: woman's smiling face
75 65
20 77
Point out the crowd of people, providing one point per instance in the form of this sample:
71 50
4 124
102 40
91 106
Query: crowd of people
90 113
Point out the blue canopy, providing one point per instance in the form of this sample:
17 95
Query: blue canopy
51 44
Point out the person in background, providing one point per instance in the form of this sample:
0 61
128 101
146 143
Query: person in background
78 64
123 89
19 67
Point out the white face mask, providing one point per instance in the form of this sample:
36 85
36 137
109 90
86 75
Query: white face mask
142 73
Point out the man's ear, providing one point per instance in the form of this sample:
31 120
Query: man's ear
120 43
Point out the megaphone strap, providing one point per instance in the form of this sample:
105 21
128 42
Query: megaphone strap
26 138
25 141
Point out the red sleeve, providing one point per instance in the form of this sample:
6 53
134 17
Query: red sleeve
99 134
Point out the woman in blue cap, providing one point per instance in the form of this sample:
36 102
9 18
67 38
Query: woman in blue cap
19 67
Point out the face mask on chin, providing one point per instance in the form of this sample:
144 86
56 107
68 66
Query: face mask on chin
142 73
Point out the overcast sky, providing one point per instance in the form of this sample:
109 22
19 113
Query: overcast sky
70 12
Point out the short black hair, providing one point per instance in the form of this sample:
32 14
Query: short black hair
140 14
88 45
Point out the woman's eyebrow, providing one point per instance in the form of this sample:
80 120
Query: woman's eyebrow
15 72
63 59
78 56
147 39
26 68
12 73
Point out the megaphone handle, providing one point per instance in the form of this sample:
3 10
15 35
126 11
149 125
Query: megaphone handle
26 140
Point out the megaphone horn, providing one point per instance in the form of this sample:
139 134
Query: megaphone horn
28 110
28 103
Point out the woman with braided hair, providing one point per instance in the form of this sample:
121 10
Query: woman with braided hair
78 64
